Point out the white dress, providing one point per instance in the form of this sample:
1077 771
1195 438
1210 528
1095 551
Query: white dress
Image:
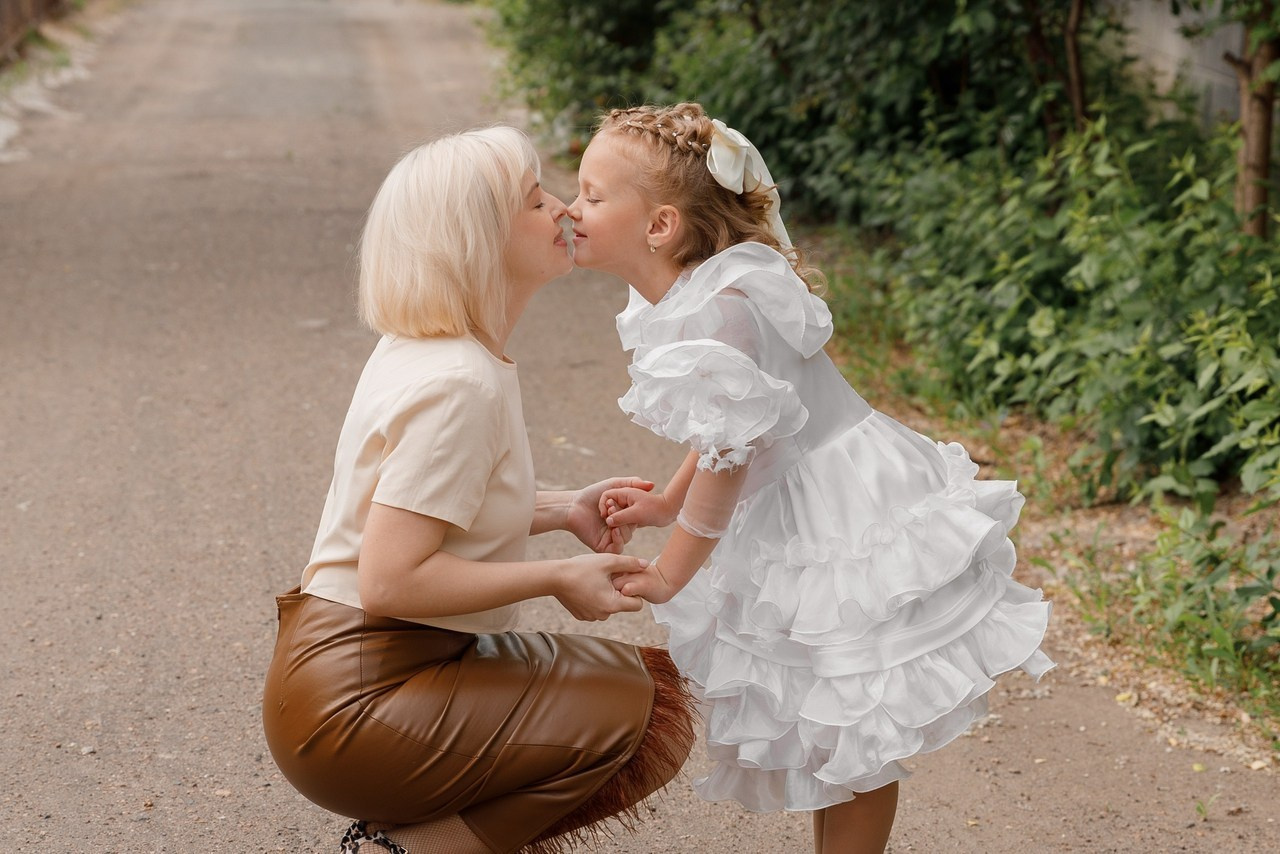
861 602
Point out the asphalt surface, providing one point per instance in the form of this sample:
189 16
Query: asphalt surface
178 210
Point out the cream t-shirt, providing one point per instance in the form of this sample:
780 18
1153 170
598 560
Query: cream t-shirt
435 427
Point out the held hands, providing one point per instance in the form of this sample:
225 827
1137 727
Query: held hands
636 508
586 519
588 586
649 584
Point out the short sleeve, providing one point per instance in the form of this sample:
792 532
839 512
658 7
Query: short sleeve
713 397
443 438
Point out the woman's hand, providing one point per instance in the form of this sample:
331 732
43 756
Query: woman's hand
587 588
585 520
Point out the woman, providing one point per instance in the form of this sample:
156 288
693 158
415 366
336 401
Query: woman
398 694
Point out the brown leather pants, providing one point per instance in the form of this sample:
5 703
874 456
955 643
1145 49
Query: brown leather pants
396 722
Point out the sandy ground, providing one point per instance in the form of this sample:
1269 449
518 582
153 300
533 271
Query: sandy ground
178 208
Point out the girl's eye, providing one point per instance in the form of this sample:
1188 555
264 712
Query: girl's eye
592 201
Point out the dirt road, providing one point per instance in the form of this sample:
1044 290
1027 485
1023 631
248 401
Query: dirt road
177 220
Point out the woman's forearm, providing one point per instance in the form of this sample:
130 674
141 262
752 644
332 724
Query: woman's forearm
551 511
403 572
446 585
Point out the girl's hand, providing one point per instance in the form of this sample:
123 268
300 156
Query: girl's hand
648 583
587 588
636 508
586 523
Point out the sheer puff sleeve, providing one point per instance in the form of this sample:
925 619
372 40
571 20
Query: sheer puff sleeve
714 398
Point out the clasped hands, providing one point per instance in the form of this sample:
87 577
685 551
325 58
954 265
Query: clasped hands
628 508
604 516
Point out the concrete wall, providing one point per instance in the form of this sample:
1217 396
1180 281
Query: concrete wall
1157 41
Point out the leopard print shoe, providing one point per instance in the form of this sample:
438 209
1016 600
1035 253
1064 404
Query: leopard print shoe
357 835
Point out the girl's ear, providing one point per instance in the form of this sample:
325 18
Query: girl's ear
664 225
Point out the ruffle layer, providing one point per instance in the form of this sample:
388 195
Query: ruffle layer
761 273
712 397
826 663
849 589
818 739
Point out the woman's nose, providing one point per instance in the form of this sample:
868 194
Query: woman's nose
558 208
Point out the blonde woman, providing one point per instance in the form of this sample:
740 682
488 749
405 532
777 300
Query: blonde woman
398 694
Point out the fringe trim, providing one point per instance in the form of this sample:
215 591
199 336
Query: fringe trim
667 740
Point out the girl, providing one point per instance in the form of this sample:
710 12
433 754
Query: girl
858 600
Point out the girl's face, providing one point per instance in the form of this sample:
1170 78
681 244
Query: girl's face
537 251
610 217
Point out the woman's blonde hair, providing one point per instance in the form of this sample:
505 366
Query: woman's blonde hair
673 142
431 256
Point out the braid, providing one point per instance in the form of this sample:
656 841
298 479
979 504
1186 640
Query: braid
676 140
687 131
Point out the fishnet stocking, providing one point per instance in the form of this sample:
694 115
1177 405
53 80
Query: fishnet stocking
449 835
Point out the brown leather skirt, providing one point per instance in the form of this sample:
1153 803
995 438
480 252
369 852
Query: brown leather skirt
526 736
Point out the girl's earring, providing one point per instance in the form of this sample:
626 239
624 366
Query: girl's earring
652 249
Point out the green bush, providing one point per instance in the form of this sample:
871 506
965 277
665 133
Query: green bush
568 60
1136 310
825 90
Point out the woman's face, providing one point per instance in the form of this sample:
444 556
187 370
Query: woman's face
537 251
610 216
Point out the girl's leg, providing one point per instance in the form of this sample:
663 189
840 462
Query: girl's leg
860 826
819 817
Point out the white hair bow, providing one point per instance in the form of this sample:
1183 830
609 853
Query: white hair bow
736 165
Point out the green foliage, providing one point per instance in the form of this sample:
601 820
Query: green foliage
827 90
1107 289
1207 600
569 60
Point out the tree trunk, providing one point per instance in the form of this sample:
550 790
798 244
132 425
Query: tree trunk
1075 71
1039 60
1257 110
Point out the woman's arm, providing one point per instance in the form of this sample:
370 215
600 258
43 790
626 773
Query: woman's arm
403 573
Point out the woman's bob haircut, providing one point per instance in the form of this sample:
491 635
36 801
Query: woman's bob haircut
431 256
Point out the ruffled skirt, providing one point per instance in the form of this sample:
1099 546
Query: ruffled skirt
854 615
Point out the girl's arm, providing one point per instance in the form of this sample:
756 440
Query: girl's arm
629 507
704 516
403 574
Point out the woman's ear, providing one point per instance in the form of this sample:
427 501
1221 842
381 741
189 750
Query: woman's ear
664 225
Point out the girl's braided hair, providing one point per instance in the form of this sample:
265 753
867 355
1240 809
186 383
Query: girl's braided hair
675 141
